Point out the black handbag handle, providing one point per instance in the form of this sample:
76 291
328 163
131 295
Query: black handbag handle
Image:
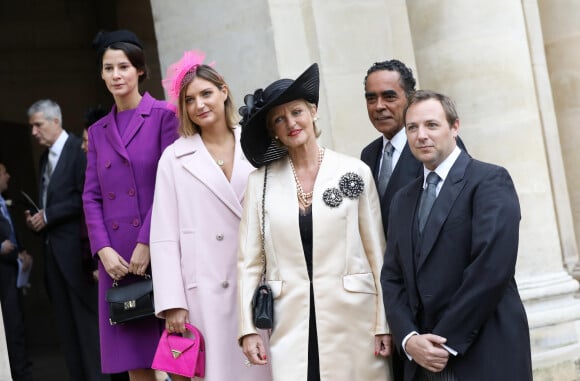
146 276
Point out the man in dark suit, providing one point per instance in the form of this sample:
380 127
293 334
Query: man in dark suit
448 276
73 295
11 253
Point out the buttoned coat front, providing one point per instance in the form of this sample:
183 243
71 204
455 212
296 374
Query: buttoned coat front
118 194
194 231
347 254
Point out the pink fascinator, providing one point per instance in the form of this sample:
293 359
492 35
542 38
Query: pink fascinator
177 72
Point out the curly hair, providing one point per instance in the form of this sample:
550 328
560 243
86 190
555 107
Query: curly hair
407 80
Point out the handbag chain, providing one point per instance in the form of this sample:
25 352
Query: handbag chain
263 220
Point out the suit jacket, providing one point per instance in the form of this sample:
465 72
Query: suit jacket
457 281
348 244
63 212
5 230
407 169
194 242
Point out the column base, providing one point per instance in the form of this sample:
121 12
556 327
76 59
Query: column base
554 318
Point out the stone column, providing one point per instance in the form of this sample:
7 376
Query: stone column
256 42
4 363
486 56
562 44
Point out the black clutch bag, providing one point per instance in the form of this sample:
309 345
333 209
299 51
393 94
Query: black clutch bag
263 307
263 300
130 302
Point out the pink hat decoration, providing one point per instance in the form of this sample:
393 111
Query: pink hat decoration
176 72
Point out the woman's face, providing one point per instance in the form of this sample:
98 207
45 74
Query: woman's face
119 74
205 102
292 123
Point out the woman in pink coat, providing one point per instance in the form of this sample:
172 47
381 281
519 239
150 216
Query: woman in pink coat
124 148
197 208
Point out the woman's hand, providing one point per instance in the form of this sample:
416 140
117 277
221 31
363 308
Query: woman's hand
383 345
175 320
253 348
139 259
115 265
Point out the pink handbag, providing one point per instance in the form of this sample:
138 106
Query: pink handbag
181 355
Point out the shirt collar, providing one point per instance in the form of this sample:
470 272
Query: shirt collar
443 169
398 141
58 145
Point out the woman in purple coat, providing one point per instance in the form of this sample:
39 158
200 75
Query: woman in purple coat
124 148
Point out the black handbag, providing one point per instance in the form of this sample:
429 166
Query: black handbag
263 300
130 302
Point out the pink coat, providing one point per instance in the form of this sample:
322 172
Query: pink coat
194 241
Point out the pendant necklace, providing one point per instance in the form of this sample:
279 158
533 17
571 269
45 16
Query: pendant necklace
305 198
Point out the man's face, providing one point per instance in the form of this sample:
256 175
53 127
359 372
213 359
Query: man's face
429 134
45 131
4 178
386 101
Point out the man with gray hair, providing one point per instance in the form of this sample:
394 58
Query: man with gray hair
73 296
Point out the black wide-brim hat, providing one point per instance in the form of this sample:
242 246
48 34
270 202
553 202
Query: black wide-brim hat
257 143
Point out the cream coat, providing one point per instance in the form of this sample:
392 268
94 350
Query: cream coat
348 246
194 229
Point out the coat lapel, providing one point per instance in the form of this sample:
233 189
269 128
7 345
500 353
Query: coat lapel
196 160
143 110
112 133
449 192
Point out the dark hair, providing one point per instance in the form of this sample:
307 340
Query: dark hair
407 80
186 126
446 102
93 114
135 54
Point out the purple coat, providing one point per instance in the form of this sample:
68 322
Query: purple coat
118 194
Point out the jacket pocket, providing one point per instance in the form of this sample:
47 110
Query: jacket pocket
364 283
276 287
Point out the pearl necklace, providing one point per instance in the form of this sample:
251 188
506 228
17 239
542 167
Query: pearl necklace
304 198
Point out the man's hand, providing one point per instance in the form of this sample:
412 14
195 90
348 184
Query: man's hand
427 351
26 260
35 222
7 247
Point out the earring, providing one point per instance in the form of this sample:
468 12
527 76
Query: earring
276 137
315 118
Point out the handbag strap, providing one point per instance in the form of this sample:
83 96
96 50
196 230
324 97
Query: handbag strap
263 219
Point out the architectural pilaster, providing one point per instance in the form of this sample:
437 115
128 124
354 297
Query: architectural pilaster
562 50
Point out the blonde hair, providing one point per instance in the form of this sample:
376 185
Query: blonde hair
186 126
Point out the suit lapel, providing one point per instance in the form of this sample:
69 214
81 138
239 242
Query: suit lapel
62 161
449 192
409 202
198 162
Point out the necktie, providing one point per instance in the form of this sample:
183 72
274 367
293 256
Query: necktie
427 199
386 168
48 168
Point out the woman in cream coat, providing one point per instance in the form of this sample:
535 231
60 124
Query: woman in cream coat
323 244
197 208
